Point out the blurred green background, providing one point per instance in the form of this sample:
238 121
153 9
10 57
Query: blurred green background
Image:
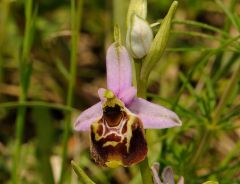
198 77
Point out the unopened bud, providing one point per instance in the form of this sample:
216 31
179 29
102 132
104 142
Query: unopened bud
139 37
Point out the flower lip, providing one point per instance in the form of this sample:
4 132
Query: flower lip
117 139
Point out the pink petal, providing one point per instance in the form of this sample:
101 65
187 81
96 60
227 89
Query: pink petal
119 72
154 116
155 170
128 95
125 69
87 117
167 175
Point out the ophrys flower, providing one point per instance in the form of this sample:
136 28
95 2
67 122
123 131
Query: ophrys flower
118 121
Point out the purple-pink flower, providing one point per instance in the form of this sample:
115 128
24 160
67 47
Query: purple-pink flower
167 175
117 121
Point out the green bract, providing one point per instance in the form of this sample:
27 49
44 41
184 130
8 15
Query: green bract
159 43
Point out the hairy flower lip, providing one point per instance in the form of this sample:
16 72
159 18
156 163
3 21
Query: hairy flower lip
123 144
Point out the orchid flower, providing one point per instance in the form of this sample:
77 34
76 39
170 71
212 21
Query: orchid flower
117 122
167 175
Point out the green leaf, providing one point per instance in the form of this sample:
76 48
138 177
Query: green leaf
81 174
44 141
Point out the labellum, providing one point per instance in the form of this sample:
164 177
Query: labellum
117 138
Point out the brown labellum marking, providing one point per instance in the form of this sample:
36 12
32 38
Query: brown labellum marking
120 140
138 145
113 115
112 137
124 128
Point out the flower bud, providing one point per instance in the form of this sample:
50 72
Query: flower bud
139 37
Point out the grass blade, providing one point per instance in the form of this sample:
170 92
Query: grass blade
76 12
25 73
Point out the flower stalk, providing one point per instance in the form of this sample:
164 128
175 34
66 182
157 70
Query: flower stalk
141 92
81 174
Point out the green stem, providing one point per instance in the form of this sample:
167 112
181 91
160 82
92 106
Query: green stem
142 88
145 172
81 174
24 81
138 66
141 92
76 11
17 150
